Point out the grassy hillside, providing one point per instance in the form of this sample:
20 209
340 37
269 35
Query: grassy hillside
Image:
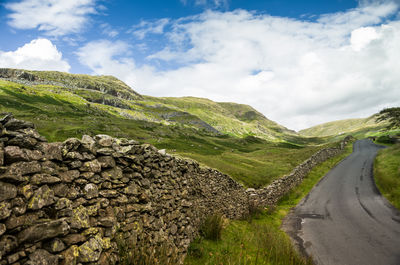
233 138
350 126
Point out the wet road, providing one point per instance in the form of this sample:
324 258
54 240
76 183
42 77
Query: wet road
344 220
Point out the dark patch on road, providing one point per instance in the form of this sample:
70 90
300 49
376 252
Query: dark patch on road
311 216
363 206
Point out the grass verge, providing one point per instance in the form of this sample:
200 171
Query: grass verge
387 173
260 240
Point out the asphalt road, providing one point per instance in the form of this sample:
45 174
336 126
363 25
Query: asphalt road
344 220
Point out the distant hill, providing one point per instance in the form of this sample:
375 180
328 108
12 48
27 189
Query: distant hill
348 126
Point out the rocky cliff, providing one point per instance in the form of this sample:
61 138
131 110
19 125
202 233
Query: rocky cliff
67 203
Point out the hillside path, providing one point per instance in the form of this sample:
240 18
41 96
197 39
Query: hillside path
344 219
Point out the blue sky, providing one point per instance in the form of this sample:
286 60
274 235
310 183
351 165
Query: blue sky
300 63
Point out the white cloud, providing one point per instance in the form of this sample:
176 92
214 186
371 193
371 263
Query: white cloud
147 27
108 30
298 73
361 37
54 17
39 54
207 3
104 57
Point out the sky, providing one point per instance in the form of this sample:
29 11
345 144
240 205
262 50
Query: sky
300 63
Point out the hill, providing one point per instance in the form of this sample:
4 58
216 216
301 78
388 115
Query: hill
234 138
362 127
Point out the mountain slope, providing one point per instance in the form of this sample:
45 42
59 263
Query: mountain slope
112 95
348 126
232 138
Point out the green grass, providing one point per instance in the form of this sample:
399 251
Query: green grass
348 126
387 173
260 241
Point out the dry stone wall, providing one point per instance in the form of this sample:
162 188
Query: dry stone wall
270 195
66 203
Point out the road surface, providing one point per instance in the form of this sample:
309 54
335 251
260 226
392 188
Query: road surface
344 220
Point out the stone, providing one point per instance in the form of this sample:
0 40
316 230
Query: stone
52 151
81 181
70 255
47 230
78 202
23 220
107 221
69 176
44 196
109 193
173 229
91 231
5 210
1 156
42 257
73 193
131 190
14 154
26 191
62 190
90 251
8 116
14 125
106 161
75 164
72 239
88 156
93 209
25 168
63 203
91 191
91 166
87 175
104 140
114 173
55 245
7 191
49 167
69 145
44 179
34 155
3 229
88 144
145 183
73 156
23 141
18 206
13 258
7 244
80 218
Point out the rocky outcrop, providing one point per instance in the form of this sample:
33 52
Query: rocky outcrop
66 203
